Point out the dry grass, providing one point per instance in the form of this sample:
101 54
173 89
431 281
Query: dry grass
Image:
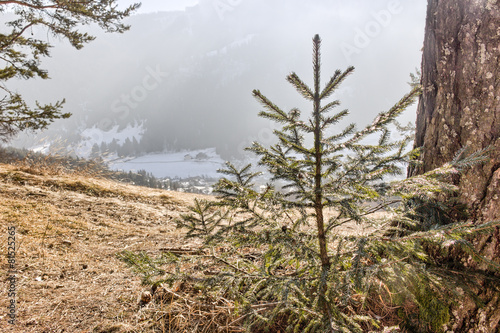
69 229
72 227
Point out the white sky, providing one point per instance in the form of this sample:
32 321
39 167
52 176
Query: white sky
159 5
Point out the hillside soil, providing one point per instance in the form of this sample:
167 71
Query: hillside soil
69 230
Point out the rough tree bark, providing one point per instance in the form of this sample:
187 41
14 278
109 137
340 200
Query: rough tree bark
460 107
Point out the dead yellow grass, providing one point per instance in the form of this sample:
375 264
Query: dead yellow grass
69 229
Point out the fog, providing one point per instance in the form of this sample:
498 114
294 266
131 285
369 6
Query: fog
184 74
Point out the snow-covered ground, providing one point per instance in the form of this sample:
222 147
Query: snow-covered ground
95 135
175 164
194 163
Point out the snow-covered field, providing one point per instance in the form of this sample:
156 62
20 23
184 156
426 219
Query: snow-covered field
94 135
195 163
175 164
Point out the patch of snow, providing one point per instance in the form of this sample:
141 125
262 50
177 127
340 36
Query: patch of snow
173 164
244 41
238 43
43 149
95 135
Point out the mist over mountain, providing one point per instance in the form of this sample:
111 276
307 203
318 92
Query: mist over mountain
185 77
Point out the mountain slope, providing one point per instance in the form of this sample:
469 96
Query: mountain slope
188 76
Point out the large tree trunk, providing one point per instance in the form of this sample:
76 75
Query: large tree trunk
460 107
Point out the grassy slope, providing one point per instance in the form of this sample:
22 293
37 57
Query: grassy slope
69 229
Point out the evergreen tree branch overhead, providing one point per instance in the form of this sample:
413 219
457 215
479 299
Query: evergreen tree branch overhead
21 53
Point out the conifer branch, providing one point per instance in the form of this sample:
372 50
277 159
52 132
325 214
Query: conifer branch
328 121
21 55
276 113
329 106
301 87
335 81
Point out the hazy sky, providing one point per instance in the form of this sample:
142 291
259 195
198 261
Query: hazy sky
222 50
160 5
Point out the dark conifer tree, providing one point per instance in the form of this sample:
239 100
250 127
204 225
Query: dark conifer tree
113 146
103 148
136 147
127 147
94 152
